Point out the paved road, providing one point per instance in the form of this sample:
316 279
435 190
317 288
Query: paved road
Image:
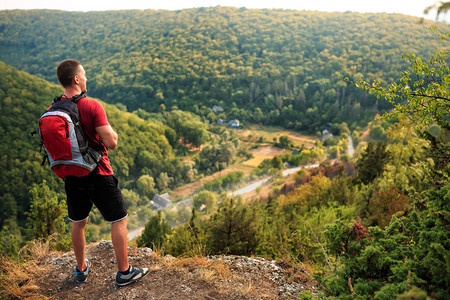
133 234
350 147
254 185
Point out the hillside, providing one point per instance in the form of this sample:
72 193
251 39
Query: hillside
374 226
23 99
216 277
151 156
278 67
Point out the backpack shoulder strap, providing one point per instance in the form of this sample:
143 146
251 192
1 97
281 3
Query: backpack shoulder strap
77 97
56 99
73 99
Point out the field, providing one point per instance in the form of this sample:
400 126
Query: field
260 151
271 134
188 189
259 154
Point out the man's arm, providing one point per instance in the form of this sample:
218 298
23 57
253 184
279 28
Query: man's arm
107 135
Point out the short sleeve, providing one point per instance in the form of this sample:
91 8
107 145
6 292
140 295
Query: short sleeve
100 118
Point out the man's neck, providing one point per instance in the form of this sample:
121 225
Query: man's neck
70 92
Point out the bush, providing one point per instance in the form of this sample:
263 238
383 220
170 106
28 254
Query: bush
155 233
46 218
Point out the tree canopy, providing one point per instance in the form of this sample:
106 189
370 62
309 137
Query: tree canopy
287 66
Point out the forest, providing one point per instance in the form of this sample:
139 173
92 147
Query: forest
374 227
371 226
148 160
276 67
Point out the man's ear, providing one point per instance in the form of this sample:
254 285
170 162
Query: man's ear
76 79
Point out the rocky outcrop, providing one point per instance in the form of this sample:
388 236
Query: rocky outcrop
211 277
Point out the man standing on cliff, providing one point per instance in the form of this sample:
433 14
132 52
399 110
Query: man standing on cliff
100 187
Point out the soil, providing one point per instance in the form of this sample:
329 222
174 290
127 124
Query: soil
268 151
218 277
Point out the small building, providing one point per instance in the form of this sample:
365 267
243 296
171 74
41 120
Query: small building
326 134
234 123
220 121
162 201
217 108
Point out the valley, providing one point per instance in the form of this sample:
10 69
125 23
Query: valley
316 141
250 190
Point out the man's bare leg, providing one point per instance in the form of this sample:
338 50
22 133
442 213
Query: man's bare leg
79 243
120 242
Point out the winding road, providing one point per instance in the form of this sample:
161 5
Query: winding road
132 234
350 148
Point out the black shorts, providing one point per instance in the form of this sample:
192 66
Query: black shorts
101 190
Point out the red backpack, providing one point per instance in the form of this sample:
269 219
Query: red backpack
62 136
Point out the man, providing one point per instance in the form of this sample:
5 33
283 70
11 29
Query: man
100 187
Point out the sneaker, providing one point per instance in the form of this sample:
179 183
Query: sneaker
134 275
81 276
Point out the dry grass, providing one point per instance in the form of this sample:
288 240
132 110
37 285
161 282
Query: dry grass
159 251
217 270
16 280
248 288
262 153
198 250
225 278
37 250
222 277
17 275
255 161
207 270
219 274
269 133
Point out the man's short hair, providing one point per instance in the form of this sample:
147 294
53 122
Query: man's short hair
66 70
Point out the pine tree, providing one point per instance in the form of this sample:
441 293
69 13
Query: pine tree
234 228
46 216
372 161
155 233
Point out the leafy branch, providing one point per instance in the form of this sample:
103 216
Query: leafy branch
421 93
